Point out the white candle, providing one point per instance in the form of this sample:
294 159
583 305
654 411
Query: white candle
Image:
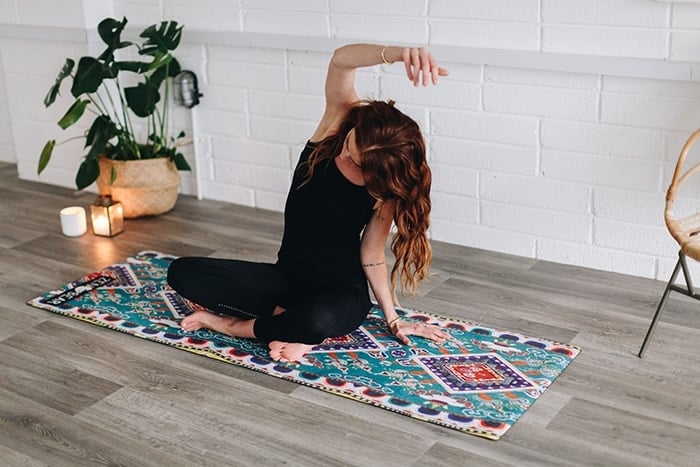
73 221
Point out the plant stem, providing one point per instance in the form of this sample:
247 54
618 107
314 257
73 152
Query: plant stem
69 139
97 105
164 125
129 126
114 107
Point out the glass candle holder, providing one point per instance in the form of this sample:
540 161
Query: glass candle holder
107 216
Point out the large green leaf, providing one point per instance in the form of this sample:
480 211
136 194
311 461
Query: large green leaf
99 135
45 156
102 129
89 76
160 60
142 99
159 75
87 173
96 149
110 31
74 113
174 68
166 36
181 162
63 74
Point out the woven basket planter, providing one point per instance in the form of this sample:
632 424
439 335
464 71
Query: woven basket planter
146 187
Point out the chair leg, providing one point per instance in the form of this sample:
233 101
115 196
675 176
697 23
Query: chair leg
661 306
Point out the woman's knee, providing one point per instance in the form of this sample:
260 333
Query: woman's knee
318 325
324 321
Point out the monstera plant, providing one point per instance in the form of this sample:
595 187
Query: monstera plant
98 86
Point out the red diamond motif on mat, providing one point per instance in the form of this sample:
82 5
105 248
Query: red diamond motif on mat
346 339
474 372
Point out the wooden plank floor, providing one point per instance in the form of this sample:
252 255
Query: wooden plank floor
75 394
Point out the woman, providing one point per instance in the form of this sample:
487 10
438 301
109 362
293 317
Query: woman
363 168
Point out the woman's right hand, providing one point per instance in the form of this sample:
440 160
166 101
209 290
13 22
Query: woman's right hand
402 329
421 66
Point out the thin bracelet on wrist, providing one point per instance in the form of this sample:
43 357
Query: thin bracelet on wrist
392 321
386 62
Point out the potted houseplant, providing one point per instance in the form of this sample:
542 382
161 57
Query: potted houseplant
98 88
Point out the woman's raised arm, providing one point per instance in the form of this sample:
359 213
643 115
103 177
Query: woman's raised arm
420 66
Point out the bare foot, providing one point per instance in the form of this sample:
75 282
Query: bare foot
203 319
288 351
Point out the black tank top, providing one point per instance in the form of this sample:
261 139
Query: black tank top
323 220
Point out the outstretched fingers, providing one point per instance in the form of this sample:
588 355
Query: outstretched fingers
421 67
427 331
432 332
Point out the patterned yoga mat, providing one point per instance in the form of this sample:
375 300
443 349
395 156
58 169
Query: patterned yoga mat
480 383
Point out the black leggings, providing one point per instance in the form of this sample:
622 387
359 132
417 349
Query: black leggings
248 290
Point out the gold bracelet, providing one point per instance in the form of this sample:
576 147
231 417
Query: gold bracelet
386 62
392 321
367 265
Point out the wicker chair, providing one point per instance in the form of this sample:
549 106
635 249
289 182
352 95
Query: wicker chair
685 231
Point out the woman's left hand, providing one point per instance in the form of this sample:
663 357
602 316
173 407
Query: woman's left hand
421 66
402 329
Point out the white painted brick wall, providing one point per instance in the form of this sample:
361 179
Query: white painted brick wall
561 166
684 46
602 140
601 171
204 14
8 12
483 156
387 7
541 223
223 98
280 130
291 22
549 79
67 13
647 14
281 104
455 208
388 28
611 41
500 10
482 126
651 87
634 238
535 192
637 207
455 94
246 151
455 180
483 237
507 35
247 75
140 12
650 111
564 104
7 147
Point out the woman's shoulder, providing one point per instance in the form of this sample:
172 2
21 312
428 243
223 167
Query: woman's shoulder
309 147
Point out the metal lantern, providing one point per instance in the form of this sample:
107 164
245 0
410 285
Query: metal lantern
185 91
107 216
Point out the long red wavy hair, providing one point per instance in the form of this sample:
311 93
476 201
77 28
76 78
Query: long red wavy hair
394 165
